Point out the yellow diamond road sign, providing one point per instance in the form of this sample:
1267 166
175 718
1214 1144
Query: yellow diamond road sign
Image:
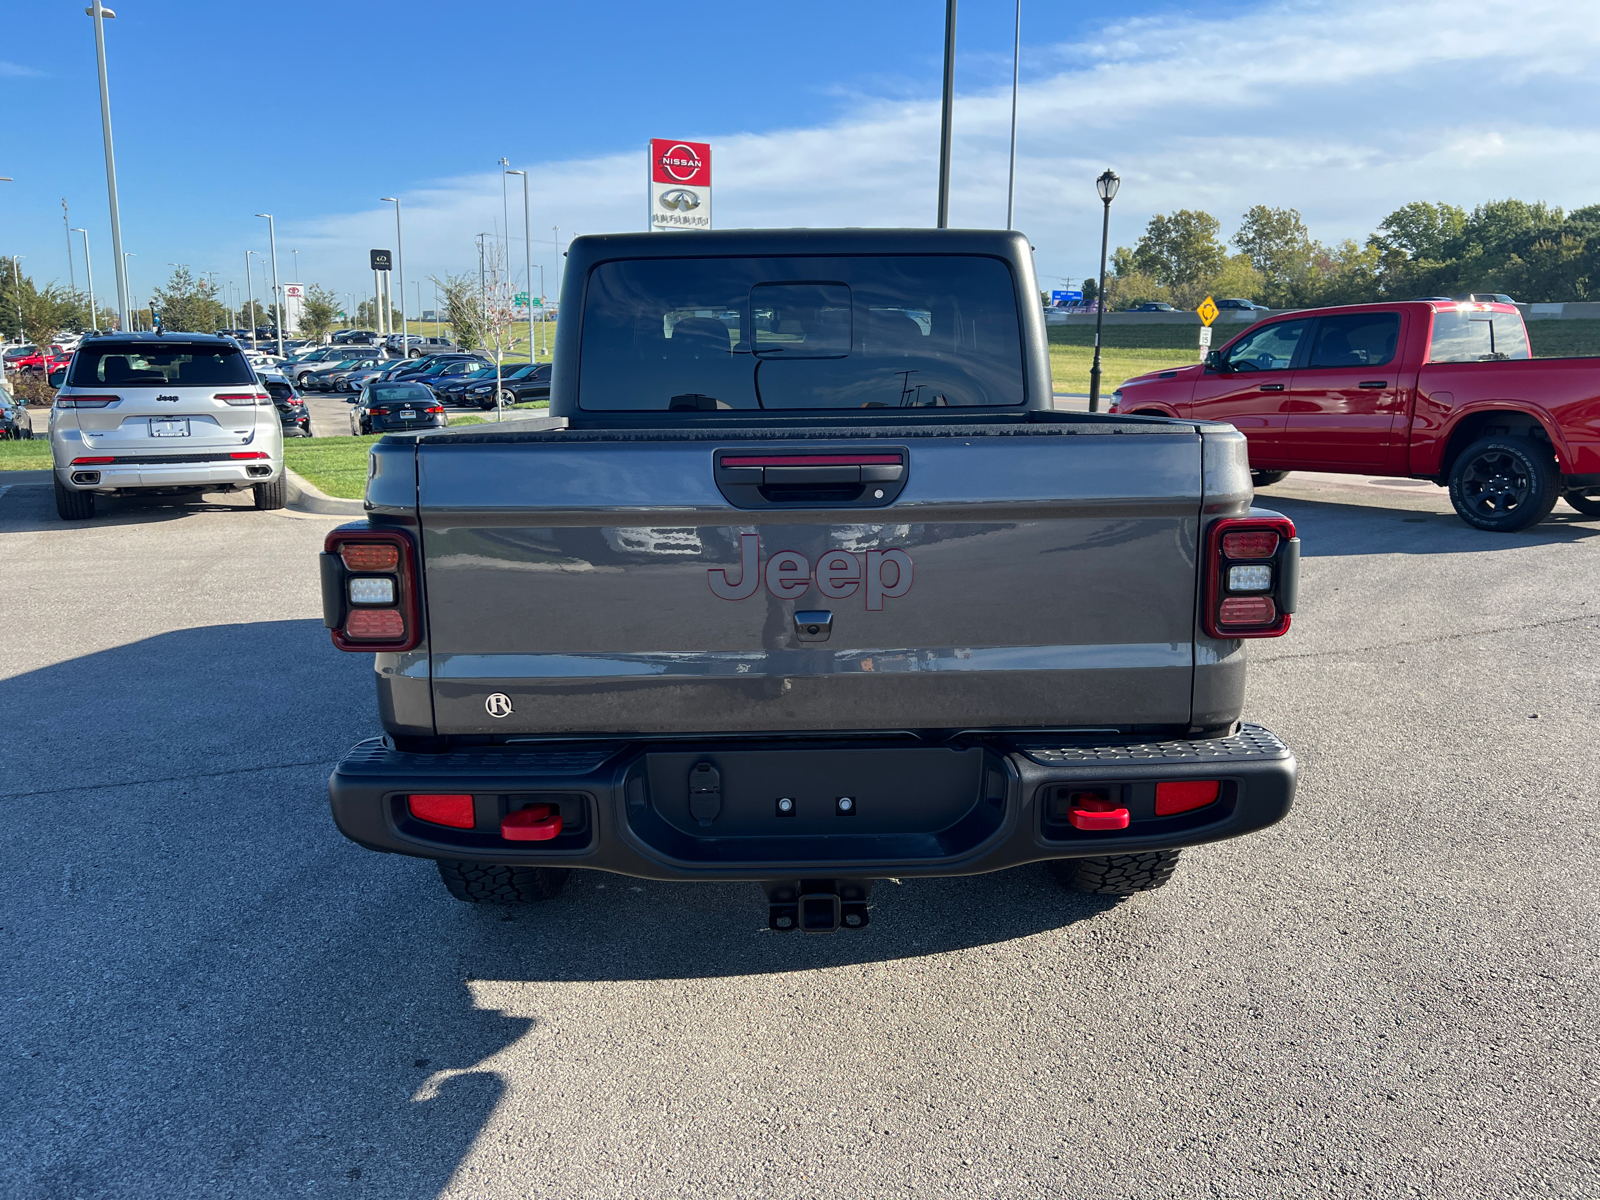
1207 311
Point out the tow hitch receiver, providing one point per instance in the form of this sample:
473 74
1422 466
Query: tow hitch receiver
817 905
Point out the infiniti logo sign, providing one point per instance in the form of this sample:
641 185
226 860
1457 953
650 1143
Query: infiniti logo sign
680 199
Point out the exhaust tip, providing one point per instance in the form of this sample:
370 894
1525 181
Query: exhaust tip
86 477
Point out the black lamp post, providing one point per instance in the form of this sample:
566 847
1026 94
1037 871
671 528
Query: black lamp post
1107 186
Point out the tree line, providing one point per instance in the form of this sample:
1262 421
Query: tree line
1534 252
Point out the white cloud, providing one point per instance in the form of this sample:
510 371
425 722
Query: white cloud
11 70
1344 110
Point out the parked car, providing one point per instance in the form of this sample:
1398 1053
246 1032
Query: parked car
530 381
352 337
57 356
1235 302
292 410
1445 391
326 379
322 358
416 345
388 407
857 664
354 379
1151 306
181 412
410 368
1486 298
14 421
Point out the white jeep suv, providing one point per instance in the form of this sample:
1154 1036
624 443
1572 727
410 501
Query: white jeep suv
177 412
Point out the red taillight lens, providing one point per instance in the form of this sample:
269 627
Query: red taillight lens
1247 610
451 810
91 462
375 625
85 401
249 454
242 399
377 412
1253 543
370 556
435 408
1173 798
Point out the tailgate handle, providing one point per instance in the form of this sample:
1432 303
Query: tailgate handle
829 479
1373 383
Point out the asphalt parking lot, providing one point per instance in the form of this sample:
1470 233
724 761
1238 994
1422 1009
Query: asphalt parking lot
210 993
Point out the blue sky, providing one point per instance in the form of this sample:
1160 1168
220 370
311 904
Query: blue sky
819 114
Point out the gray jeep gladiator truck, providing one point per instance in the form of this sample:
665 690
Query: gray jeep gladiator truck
805 582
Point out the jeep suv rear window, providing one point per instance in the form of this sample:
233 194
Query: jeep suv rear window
708 334
170 364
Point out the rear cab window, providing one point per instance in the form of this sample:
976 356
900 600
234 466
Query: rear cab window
170 365
800 333
1478 333
1366 339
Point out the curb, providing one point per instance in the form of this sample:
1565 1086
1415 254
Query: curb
21 478
304 496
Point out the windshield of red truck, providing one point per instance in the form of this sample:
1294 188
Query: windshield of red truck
1478 335
707 334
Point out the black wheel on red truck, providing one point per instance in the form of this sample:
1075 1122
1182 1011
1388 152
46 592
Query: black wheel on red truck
490 883
1585 501
1116 874
1263 479
1503 484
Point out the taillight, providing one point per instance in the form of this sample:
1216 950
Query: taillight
1252 574
243 399
435 408
1174 798
92 462
452 810
85 401
377 412
249 454
370 589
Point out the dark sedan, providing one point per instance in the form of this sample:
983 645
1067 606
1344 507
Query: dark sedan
291 407
327 379
529 382
390 407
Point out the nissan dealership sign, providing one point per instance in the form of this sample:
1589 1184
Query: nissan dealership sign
680 184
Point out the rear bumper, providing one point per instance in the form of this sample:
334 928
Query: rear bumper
917 811
93 477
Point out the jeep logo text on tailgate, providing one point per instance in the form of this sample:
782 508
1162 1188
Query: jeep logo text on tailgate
837 575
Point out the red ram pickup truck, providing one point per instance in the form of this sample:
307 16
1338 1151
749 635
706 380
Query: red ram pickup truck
1437 390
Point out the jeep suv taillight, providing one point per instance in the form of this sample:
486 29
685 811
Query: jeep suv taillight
1252 576
86 401
369 590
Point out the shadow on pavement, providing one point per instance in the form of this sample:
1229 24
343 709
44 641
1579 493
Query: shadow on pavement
31 508
1330 529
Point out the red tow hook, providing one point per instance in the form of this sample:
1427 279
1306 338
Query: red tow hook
539 824
1089 811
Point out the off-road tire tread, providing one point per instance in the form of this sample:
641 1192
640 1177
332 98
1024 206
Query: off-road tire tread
273 495
492 883
73 506
1116 874
1537 509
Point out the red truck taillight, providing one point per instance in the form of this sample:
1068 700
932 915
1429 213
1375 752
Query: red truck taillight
369 590
1252 575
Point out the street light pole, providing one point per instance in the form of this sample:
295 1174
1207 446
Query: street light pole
272 242
127 286
250 290
400 269
88 269
99 12
1107 186
66 227
948 112
16 286
1011 179
527 246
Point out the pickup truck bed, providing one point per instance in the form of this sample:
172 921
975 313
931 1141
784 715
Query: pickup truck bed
809 649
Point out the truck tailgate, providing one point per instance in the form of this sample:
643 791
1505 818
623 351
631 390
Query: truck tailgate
1030 577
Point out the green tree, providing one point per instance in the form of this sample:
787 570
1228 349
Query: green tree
1421 230
318 311
463 308
187 304
367 313
1552 269
1280 247
1180 249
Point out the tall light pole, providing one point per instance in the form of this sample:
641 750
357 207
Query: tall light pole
948 112
527 246
66 227
400 270
250 290
296 254
272 242
1011 179
16 286
556 229
1107 186
127 286
100 12
88 269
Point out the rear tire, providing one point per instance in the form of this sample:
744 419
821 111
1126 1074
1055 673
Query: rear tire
73 506
1588 505
1503 484
1116 874
1263 479
273 495
490 883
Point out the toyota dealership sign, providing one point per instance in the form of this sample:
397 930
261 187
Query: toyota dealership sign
680 184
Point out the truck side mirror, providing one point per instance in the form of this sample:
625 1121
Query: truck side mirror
1214 361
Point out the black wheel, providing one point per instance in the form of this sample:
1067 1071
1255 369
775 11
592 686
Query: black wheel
1263 479
488 883
1116 874
274 494
1503 484
1584 501
73 506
